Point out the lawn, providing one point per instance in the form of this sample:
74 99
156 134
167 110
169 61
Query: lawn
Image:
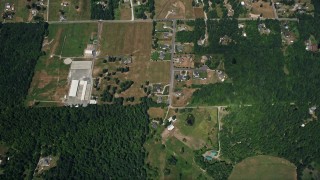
203 131
264 167
70 40
71 13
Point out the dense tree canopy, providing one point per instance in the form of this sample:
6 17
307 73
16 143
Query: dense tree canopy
20 46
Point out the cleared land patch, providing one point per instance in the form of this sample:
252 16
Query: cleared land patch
168 9
264 167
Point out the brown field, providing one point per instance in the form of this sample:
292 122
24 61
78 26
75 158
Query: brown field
156 112
182 9
266 10
198 13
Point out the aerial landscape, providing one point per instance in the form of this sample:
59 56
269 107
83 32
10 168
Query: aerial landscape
160 89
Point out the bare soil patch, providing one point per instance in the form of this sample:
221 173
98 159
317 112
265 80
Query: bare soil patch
266 10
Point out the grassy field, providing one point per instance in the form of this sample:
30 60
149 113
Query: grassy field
182 9
70 40
71 13
49 82
126 39
203 132
264 167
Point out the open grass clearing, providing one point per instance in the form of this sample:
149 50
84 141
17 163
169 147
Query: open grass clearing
264 167
70 40
156 112
204 130
71 13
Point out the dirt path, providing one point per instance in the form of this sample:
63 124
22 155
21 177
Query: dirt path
57 41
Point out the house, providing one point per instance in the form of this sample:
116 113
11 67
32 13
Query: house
170 127
263 29
209 155
162 55
166 35
45 161
159 100
221 75
196 73
179 47
240 26
157 88
225 40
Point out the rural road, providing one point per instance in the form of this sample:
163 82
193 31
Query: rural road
174 24
132 10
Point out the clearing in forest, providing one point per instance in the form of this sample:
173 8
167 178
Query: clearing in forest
264 167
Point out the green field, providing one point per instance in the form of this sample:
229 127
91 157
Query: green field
264 167
203 132
71 13
71 39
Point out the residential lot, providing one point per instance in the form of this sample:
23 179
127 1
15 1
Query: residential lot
69 10
124 40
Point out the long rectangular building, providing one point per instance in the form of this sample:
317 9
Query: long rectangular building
73 88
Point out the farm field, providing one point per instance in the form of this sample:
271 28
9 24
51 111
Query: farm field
75 10
264 167
70 40
181 9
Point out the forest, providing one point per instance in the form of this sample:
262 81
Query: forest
96 142
20 48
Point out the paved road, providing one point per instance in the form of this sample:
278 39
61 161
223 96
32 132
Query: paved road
151 20
174 24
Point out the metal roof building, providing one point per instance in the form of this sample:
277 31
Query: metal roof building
73 88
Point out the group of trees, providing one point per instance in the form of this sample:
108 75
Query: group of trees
104 11
141 10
